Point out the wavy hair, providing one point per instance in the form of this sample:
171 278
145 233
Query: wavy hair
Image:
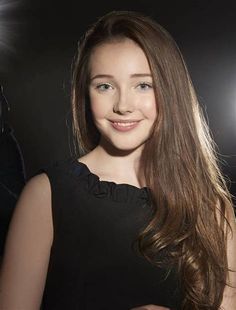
180 163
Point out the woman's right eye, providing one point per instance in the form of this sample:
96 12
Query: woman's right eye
103 86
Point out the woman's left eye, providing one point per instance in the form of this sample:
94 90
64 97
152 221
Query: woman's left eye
144 86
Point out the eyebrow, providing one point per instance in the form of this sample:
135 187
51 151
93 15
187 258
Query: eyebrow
111 76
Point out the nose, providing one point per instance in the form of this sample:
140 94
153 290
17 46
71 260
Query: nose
124 103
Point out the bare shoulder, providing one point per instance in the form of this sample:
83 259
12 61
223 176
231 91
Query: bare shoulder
32 215
38 185
34 203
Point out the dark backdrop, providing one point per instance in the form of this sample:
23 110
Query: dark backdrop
37 50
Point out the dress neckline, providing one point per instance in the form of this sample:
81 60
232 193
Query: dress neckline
113 182
102 188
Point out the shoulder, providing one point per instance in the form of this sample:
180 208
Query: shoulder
57 171
39 181
37 191
33 209
38 184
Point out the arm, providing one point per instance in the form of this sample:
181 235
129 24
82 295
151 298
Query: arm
229 297
27 250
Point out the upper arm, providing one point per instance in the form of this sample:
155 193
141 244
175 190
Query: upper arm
229 298
27 249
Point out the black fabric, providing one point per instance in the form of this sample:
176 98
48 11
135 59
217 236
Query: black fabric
93 264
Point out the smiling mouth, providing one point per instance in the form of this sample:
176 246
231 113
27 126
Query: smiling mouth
124 125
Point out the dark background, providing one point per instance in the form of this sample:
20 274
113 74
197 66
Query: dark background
38 40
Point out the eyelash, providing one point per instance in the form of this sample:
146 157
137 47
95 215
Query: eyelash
103 84
107 84
146 84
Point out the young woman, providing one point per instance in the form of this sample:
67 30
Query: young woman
142 218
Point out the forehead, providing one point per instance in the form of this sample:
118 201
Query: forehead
118 57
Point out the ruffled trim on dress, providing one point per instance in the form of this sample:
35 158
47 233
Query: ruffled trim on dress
107 189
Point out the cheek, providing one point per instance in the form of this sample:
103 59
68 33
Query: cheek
98 107
98 112
149 108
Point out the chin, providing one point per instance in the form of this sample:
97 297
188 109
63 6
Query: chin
124 146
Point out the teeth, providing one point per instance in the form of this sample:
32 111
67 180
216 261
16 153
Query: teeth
125 124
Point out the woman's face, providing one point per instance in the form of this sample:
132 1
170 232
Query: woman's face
121 95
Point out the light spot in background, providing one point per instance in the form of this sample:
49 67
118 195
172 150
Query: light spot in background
234 111
7 25
230 120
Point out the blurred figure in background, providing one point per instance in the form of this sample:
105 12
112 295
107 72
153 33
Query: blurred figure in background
12 172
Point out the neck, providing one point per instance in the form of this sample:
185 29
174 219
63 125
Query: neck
119 165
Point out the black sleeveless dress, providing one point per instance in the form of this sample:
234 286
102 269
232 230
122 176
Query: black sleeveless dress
93 265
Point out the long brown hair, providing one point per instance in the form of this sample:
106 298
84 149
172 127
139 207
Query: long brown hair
179 161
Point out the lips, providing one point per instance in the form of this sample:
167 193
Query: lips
124 125
125 120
